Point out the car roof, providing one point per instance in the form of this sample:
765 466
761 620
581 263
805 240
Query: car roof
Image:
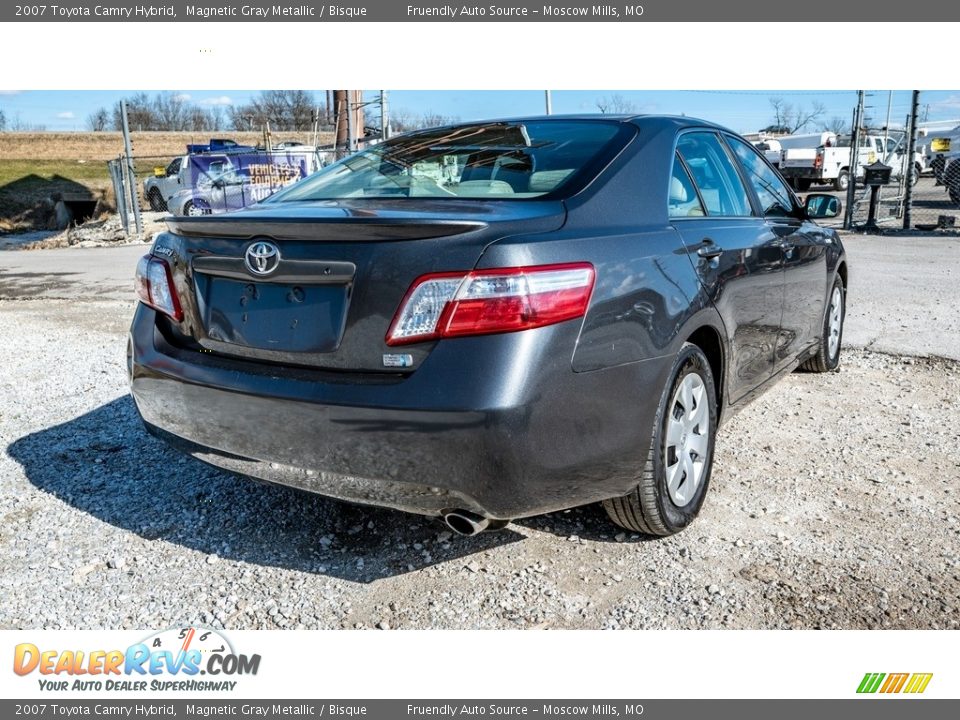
652 122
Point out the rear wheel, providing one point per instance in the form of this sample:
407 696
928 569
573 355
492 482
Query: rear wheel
156 200
194 210
674 479
842 181
828 354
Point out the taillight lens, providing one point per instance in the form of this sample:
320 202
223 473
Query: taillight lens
443 305
818 160
154 284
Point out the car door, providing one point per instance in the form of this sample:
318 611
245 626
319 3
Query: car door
803 246
735 254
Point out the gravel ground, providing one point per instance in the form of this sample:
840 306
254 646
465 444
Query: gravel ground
834 503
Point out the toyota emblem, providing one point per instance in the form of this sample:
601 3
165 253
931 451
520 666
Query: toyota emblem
262 257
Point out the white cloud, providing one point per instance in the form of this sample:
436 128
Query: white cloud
219 100
949 103
182 97
66 115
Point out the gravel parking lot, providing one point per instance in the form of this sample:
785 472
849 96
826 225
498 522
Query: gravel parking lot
835 500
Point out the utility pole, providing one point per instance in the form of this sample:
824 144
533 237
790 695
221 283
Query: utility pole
549 102
384 117
131 175
854 161
351 123
911 148
340 122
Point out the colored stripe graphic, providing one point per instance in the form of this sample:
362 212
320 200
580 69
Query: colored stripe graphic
870 682
894 683
918 682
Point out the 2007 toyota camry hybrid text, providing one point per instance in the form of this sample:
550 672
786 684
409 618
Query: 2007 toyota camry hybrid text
492 320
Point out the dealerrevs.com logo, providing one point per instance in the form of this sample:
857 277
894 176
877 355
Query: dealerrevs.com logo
173 659
909 683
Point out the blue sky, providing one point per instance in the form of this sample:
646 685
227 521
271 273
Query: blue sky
743 111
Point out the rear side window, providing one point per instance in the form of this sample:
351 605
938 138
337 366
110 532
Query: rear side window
715 176
683 200
775 198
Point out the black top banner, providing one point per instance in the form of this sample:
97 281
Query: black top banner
501 11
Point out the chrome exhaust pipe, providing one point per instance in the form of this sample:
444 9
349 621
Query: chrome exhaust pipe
464 522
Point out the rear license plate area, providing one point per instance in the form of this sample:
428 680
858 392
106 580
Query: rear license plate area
271 316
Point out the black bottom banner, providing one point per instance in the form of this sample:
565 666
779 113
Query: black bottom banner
868 708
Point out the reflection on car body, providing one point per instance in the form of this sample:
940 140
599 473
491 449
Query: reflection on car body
492 320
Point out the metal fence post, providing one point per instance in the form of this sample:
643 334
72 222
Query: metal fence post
119 191
131 174
911 148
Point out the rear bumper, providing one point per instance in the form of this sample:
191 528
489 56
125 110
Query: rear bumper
801 173
498 425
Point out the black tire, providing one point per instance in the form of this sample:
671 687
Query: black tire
823 361
841 181
803 184
156 201
649 508
189 206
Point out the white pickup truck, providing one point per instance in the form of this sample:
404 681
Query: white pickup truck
828 162
941 148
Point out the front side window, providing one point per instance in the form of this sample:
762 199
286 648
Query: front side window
715 176
775 198
505 160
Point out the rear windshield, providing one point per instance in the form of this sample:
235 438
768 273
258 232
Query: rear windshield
485 161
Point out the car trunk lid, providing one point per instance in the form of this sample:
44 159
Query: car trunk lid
341 271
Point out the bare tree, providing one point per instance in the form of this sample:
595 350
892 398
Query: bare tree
3 121
283 109
19 125
170 112
791 118
98 120
616 105
217 118
836 124
402 120
140 114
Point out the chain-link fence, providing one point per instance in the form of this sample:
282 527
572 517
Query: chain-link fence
923 192
207 183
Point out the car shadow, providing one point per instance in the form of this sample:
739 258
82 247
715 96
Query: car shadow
105 464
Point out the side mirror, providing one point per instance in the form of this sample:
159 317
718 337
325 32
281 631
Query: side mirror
820 206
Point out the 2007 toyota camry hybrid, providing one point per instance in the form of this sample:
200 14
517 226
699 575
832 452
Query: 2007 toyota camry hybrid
492 320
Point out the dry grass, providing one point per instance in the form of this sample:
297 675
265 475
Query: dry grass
37 166
103 146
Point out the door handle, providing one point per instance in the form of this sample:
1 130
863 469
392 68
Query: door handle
788 248
709 249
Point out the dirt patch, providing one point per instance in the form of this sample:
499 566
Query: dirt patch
104 231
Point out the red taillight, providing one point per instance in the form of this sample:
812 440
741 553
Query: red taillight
442 305
154 284
818 160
